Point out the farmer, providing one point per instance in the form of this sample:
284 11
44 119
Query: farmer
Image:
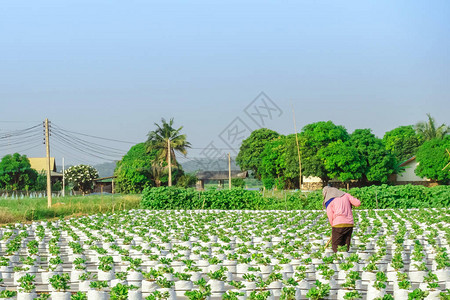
338 205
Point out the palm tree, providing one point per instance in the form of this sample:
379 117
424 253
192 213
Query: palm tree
429 131
167 140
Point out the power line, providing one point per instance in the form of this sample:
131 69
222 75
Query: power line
97 137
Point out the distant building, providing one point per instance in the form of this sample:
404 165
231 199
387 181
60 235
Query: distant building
104 185
40 165
409 176
219 176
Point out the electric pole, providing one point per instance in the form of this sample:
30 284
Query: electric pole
64 182
298 151
229 171
49 182
169 161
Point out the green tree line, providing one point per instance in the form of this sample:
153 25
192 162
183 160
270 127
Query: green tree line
328 151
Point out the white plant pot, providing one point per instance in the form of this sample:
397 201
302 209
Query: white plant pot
105 276
60 295
249 285
97 295
26 296
17 276
75 275
401 294
373 293
134 276
417 276
443 275
368 276
213 268
241 268
216 285
433 295
116 281
266 269
183 285
45 276
149 286
134 295
83 286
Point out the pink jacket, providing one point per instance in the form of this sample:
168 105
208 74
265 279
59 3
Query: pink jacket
339 211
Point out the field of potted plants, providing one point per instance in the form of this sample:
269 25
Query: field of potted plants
216 254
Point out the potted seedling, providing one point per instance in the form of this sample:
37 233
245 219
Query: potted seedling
166 286
203 293
320 291
217 279
78 296
85 281
26 287
135 271
418 294
8 295
121 277
183 282
60 283
157 295
97 290
402 287
378 288
233 295
105 268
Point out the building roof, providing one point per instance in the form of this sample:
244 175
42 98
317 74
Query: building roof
40 163
221 175
407 161
105 179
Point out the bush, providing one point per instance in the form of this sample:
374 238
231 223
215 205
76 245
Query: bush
180 198
402 196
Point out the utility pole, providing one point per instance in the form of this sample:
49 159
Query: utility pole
64 177
49 183
298 151
229 171
169 161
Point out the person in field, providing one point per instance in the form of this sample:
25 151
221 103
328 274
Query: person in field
338 205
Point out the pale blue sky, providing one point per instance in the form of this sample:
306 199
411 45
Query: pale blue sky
113 68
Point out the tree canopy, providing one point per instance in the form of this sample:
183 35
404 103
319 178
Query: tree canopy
378 163
432 157
313 138
16 173
402 142
82 177
134 171
249 156
163 138
343 161
429 131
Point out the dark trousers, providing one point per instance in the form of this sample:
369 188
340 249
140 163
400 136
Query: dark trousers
341 236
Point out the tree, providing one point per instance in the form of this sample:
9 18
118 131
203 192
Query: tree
16 173
315 137
379 163
134 172
432 157
279 163
82 177
249 156
167 141
342 161
429 131
402 142
187 180
273 163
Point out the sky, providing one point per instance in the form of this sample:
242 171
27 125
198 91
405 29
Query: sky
221 69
